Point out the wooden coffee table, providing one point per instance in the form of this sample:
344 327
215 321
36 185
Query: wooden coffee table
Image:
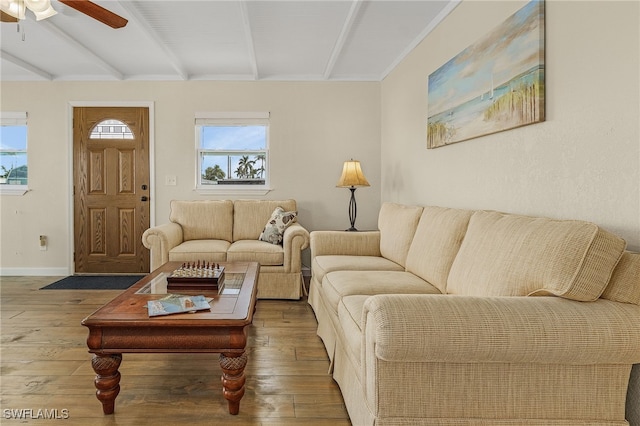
123 325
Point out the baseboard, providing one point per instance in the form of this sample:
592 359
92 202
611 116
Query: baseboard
33 272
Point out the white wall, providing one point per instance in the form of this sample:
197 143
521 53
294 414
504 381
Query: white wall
582 163
315 127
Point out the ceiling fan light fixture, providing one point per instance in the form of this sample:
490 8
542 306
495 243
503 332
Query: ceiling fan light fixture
15 8
37 6
47 13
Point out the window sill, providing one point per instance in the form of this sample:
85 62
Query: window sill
13 189
233 190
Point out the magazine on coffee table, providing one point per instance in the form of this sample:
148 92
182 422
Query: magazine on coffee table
177 304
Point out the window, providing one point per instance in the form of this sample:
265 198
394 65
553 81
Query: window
233 151
111 129
13 152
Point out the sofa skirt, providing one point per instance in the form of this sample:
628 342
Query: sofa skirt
279 285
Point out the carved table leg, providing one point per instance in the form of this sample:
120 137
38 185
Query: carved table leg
107 379
233 379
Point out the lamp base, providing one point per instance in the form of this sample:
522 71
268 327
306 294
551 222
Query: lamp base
353 209
351 229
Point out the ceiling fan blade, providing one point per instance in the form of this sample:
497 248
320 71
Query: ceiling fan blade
5 17
96 12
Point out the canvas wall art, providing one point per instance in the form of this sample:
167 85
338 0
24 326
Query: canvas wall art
495 84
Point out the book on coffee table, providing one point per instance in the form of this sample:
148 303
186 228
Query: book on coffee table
177 304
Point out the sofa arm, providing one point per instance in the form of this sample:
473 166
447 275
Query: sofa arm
294 240
159 240
344 243
440 328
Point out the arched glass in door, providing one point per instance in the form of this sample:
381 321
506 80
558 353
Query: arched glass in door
111 129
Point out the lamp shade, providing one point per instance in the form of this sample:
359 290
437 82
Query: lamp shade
352 175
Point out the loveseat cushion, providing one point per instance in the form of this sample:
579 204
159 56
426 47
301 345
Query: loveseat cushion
397 224
266 254
511 255
339 284
322 265
624 285
250 216
436 242
204 250
204 220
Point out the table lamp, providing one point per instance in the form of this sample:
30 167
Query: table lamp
351 178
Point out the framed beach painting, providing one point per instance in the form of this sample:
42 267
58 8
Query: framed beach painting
495 84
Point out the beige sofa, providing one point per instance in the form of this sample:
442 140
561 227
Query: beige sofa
227 231
448 316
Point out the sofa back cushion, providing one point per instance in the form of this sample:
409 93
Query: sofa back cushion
203 220
397 224
251 216
624 285
436 242
511 255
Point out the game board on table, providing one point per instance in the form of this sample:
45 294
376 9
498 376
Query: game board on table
196 276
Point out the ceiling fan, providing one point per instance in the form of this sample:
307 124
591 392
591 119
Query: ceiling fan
14 10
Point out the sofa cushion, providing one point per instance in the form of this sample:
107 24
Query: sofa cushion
624 285
511 255
436 242
204 220
339 284
350 317
250 216
266 254
397 224
206 250
322 265
280 220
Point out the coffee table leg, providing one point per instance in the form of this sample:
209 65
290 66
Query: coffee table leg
233 379
107 379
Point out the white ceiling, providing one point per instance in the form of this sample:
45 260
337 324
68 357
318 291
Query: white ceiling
221 40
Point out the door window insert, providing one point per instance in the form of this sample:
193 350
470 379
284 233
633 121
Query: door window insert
111 129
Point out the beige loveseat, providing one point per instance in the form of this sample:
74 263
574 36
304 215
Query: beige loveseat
448 316
228 231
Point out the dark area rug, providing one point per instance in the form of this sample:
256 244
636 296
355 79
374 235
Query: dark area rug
94 282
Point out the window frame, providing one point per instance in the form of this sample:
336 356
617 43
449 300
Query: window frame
232 119
9 118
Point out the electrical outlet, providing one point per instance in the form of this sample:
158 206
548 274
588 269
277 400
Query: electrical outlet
43 242
170 180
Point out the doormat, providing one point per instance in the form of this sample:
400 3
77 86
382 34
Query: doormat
94 282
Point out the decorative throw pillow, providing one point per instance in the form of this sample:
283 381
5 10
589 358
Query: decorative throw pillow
274 229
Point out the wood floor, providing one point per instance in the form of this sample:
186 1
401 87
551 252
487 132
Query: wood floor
45 366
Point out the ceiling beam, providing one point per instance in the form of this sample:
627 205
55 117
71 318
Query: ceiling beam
53 29
25 65
253 61
342 38
138 20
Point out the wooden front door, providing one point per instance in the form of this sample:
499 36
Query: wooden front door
111 189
